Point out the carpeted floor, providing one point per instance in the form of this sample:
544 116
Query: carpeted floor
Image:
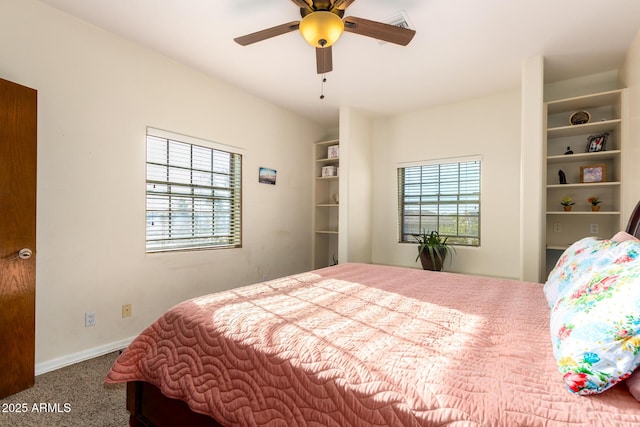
75 396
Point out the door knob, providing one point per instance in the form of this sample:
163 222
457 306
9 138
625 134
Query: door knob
25 253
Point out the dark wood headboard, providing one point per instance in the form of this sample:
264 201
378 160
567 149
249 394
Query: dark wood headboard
633 227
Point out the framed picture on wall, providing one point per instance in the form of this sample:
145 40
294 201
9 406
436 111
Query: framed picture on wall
593 173
267 176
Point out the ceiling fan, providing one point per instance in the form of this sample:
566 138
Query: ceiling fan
322 25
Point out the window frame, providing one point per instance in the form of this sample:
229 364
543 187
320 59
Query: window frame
193 227
463 198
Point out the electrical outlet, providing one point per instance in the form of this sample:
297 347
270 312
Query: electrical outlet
556 227
126 310
594 228
89 319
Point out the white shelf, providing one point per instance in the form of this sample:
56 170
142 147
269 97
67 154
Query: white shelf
325 219
587 128
328 142
585 157
572 212
585 185
329 160
584 102
607 115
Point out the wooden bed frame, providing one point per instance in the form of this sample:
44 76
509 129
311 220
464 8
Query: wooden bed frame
148 407
633 227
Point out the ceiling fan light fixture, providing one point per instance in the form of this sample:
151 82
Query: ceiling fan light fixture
321 28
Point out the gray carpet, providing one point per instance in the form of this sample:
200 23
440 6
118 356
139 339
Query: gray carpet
75 396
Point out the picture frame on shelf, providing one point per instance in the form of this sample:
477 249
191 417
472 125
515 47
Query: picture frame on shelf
593 173
597 142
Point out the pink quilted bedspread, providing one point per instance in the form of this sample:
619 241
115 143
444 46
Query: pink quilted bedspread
367 345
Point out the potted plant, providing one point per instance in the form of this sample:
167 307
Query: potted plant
566 203
432 250
595 203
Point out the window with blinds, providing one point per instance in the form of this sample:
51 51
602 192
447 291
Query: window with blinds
443 197
193 196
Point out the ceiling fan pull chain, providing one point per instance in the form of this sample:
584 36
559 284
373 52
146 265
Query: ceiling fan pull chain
324 79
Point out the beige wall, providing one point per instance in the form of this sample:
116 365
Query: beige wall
630 76
489 127
97 93
355 186
532 202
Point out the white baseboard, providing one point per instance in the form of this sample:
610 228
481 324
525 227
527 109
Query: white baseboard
70 359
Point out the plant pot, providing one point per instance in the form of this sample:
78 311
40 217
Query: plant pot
427 264
566 208
595 208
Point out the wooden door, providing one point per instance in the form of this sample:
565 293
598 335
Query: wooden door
18 139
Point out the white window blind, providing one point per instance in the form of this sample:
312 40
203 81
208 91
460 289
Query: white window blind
193 195
443 197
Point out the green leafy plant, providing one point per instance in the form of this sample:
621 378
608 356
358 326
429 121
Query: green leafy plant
594 200
435 247
567 202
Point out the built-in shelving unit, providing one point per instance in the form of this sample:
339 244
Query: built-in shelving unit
326 198
607 116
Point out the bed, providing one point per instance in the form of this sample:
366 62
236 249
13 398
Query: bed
362 345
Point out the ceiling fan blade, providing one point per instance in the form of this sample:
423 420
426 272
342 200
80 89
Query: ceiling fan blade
267 33
324 59
342 4
379 30
302 4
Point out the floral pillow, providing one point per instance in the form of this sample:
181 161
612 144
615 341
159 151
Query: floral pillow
595 324
577 261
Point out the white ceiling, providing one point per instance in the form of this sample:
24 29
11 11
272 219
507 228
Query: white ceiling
462 48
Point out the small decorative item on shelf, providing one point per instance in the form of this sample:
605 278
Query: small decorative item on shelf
328 171
562 177
596 142
595 203
579 118
333 152
566 203
569 151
